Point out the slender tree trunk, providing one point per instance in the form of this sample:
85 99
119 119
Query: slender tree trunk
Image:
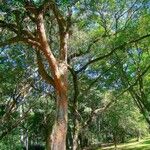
76 134
76 128
75 141
48 142
138 136
115 140
69 142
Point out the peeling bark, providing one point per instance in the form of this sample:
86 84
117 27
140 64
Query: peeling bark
58 136
59 71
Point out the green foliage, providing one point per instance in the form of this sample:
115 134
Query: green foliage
110 32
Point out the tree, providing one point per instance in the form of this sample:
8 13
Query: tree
123 120
37 38
45 26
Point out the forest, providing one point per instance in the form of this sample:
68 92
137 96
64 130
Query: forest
74 74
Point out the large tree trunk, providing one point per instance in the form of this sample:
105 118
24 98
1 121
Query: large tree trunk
59 69
58 136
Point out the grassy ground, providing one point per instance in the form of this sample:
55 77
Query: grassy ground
142 145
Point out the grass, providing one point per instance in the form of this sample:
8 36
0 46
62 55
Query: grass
142 145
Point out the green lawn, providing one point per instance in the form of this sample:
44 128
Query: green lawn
142 145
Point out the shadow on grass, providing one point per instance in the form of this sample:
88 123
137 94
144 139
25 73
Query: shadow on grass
146 142
137 148
143 145
133 148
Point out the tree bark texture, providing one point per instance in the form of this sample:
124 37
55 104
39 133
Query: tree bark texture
58 136
59 76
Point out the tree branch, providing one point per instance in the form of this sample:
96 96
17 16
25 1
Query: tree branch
10 26
30 7
9 41
7 131
99 78
111 52
75 83
60 19
20 39
83 53
42 70
13 27
101 110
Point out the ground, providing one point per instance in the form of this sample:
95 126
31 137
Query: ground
142 145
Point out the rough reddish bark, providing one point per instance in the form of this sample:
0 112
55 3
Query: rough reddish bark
59 72
58 136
